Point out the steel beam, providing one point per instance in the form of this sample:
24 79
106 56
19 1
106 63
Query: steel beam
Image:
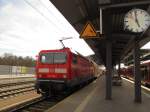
137 73
127 48
108 70
129 4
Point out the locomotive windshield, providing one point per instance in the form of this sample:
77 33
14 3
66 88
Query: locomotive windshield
53 58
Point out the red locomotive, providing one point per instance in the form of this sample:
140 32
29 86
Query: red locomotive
145 72
57 70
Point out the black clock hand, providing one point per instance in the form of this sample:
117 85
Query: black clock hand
136 19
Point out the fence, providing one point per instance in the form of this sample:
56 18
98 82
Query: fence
6 69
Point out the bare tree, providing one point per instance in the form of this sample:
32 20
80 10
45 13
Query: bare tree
13 60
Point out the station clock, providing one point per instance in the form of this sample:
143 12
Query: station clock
137 20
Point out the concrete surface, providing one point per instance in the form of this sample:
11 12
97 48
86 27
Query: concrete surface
92 99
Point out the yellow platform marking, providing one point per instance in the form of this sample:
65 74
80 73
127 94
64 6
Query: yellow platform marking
83 104
61 102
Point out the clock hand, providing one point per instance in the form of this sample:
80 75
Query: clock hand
136 20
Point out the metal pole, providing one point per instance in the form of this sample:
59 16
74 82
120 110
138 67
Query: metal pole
137 74
62 43
108 71
100 20
119 68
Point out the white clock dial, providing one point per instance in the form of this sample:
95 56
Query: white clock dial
137 20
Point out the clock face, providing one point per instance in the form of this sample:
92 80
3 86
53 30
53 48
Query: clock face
137 20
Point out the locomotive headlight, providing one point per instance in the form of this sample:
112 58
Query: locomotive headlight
40 75
60 70
43 70
64 76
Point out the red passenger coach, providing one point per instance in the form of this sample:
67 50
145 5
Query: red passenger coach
57 70
145 72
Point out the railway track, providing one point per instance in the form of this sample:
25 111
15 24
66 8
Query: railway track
12 91
12 81
40 104
13 88
36 105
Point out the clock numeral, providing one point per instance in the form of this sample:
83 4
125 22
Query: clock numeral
143 29
147 20
127 26
126 17
142 11
131 29
146 15
146 25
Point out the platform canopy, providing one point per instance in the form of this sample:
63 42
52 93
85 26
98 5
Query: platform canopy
78 12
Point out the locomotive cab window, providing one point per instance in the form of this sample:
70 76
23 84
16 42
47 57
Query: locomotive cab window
60 58
53 58
47 58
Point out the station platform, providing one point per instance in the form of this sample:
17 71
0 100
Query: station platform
92 99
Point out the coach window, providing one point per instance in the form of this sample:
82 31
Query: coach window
144 72
74 60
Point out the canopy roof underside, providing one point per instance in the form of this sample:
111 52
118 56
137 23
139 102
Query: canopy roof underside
78 12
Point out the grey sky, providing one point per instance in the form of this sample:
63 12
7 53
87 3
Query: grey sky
28 26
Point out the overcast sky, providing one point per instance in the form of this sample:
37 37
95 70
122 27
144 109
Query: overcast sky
28 26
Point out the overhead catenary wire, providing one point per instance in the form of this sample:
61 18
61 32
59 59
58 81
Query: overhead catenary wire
38 11
47 9
50 11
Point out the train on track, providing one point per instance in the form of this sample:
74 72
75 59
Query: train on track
60 70
145 72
